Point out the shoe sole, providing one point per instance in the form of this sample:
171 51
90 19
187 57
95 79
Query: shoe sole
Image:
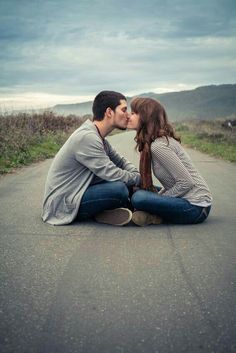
116 217
141 218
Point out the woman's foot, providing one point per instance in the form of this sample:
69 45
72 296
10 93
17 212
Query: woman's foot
142 218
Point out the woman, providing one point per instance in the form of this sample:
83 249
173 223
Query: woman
185 197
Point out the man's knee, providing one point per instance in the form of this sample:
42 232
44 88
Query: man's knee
121 190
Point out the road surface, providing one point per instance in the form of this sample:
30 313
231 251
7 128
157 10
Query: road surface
96 288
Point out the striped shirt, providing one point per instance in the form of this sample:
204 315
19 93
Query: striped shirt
179 177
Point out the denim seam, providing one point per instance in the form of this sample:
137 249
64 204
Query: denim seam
189 209
203 213
85 202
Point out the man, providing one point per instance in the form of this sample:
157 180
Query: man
88 178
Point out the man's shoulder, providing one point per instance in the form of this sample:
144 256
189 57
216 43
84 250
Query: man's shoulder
87 128
85 135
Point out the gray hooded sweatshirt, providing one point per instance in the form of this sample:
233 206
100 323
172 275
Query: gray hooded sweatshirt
82 159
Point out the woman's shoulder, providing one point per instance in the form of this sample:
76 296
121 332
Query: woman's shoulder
164 141
160 141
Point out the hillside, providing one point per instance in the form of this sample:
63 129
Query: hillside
206 102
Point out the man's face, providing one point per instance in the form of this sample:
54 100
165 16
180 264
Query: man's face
121 116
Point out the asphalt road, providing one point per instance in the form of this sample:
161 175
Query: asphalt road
96 288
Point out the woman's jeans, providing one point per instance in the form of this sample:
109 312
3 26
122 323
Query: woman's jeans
103 196
170 209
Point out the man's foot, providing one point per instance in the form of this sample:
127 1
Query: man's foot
142 218
116 217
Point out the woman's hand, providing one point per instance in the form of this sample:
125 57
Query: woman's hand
160 192
136 188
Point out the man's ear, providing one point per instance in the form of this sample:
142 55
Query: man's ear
109 112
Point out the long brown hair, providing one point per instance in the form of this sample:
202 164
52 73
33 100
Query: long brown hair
153 124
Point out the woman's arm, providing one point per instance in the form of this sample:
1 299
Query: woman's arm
176 173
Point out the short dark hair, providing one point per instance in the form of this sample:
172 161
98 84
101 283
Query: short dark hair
104 100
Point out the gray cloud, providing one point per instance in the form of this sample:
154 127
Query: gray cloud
80 47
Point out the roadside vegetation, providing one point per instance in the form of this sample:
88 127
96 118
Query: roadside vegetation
209 137
27 138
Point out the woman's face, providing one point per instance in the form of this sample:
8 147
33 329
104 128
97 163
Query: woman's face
133 122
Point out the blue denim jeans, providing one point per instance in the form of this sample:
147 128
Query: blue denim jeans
170 209
103 196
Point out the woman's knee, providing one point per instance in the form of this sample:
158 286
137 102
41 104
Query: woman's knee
138 198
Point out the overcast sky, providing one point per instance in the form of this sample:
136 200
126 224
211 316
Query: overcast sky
60 51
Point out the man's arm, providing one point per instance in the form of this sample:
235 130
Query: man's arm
119 160
89 151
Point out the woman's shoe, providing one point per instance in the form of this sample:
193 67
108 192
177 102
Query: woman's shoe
142 218
116 217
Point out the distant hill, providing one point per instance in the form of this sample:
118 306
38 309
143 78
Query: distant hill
77 108
207 102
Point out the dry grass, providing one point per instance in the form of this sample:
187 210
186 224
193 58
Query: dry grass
25 138
209 137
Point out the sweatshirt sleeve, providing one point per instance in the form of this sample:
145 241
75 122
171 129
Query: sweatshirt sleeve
90 152
119 160
182 180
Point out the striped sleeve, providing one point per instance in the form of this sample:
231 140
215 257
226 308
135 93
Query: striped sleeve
175 171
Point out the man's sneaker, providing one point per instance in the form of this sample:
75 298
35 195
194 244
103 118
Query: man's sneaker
142 218
116 217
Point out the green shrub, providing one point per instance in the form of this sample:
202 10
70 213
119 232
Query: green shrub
25 138
209 137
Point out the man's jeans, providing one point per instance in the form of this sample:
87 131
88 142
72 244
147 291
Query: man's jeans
103 196
170 209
